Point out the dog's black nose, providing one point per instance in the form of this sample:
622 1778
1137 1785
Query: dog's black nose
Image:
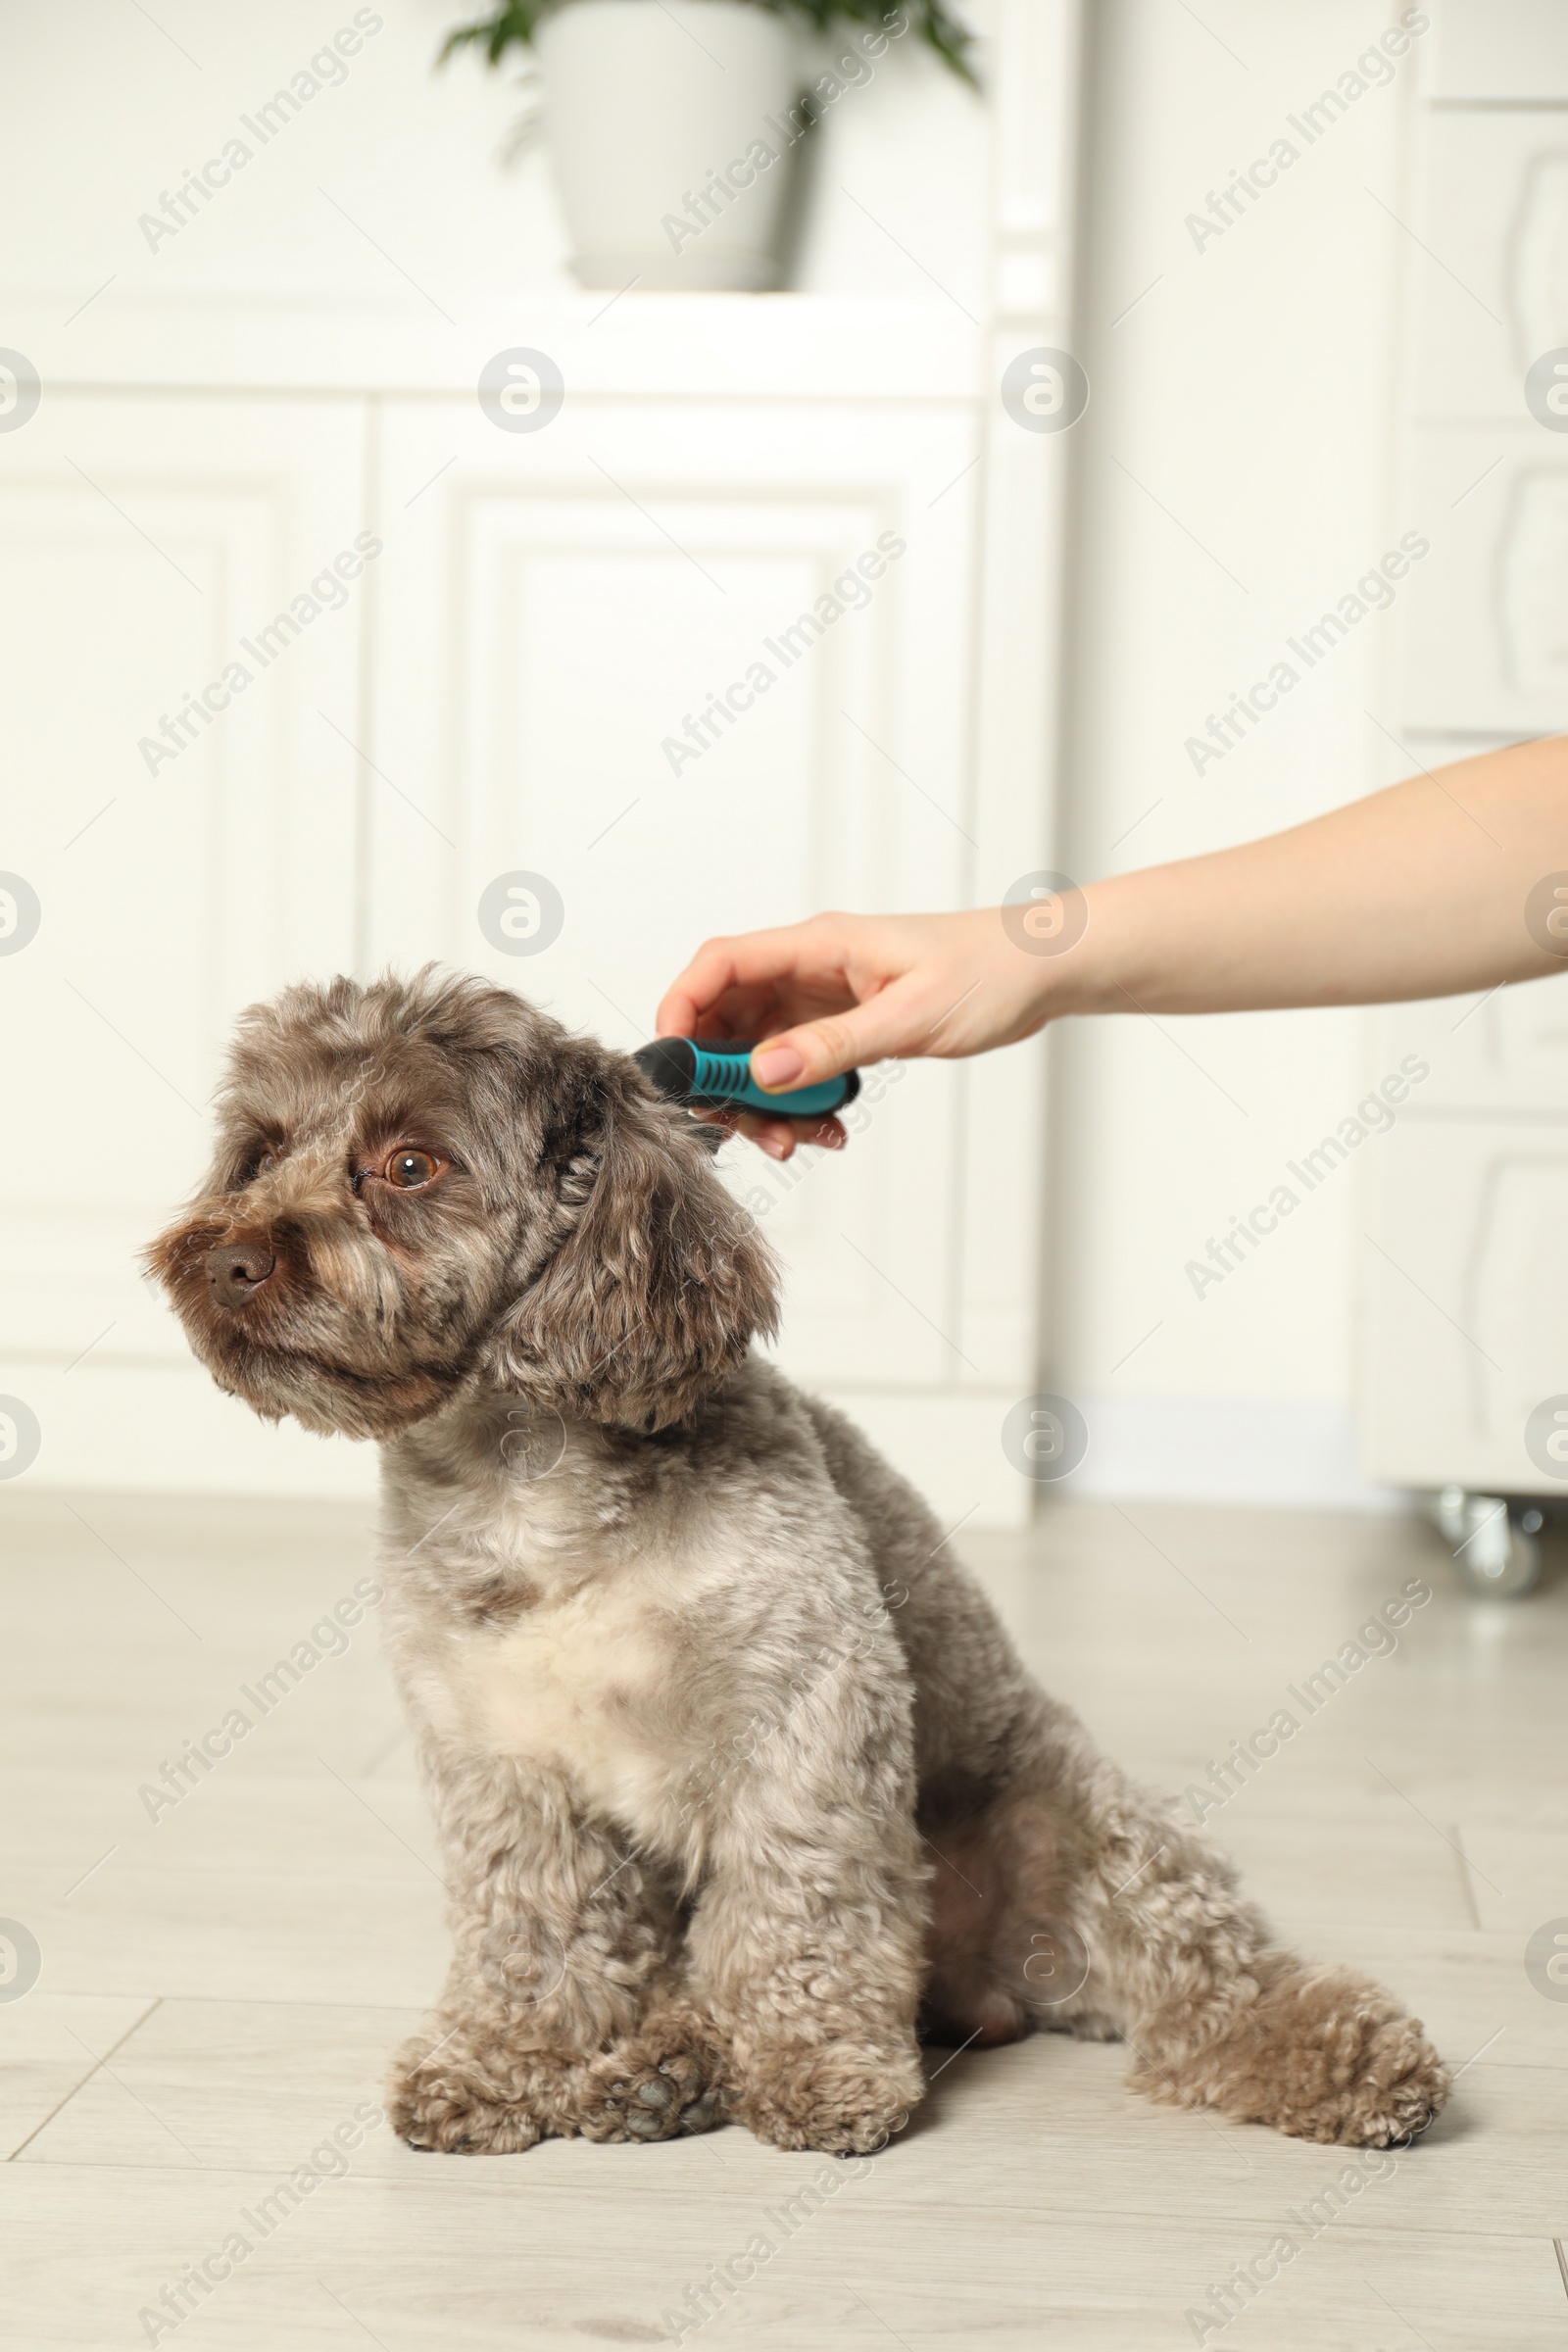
237 1271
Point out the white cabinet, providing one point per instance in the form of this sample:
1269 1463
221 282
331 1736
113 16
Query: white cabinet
520 674
1465 1265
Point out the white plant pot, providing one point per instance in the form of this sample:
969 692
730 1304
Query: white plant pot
647 101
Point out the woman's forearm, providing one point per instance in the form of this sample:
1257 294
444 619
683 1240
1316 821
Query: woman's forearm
1438 885
1419 891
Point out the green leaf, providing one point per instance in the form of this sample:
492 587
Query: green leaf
930 21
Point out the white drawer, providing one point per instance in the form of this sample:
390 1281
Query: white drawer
1497 49
1464 1265
1487 1058
1485 616
1491 294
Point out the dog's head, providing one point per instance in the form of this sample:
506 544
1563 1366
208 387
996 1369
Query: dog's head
425 1184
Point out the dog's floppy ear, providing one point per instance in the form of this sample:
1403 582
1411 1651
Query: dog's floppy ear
661 1280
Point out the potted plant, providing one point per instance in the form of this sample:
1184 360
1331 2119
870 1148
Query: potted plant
672 123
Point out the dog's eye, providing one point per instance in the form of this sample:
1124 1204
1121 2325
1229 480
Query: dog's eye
408 1168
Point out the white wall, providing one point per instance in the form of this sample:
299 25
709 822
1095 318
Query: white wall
1248 393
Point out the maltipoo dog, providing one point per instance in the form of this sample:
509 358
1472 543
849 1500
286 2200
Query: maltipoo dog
741 1787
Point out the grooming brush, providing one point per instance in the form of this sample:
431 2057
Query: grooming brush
708 1075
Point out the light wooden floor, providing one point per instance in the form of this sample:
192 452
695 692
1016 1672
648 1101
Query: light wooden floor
219 1988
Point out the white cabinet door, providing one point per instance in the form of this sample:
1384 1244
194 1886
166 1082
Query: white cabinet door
563 611
186 856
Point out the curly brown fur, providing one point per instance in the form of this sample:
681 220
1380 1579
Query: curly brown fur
739 1783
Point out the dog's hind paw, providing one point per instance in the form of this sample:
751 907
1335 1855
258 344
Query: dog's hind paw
1399 2090
1323 2054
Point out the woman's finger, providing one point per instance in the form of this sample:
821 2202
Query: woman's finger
759 968
892 1023
779 1137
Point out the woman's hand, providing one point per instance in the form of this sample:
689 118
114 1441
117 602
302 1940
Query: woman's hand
843 990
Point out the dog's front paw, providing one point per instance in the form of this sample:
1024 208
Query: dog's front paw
465 2096
450 2114
843 2098
1325 2055
638 2093
461 2096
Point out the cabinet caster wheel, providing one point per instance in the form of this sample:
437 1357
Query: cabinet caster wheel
1496 1543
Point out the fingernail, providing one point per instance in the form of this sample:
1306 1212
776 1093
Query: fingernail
771 1146
778 1067
831 1139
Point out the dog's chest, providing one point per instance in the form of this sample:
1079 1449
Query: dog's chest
570 1684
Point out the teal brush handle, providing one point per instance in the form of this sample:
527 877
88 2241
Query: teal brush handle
708 1075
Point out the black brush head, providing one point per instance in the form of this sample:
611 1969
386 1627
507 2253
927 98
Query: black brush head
669 1064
